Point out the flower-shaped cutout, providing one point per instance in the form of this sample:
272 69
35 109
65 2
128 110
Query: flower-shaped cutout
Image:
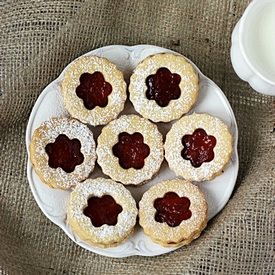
64 153
198 147
102 210
131 150
93 90
163 86
172 209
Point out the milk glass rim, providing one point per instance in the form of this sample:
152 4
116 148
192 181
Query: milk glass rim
253 5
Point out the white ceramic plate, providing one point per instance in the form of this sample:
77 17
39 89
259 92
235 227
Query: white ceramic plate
53 202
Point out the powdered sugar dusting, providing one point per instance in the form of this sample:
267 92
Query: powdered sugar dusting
217 192
186 126
47 133
74 104
176 108
104 234
109 137
162 232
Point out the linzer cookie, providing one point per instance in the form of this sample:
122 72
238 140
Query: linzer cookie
102 212
163 87
94 90
198 147
62 152
130 149
173 213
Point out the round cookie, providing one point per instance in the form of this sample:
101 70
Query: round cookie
62 152
102 212
163 87
130 149
94 90
173 212
198 147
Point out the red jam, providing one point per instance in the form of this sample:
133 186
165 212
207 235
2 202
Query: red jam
172 209
198 147
93 90
163 86
131 150
102 210
64 153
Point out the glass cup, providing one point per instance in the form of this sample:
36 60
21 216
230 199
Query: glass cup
253 46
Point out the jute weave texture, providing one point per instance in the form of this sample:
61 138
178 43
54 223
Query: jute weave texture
38 38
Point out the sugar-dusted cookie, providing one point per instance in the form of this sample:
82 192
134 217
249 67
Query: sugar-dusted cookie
198 147
173 212
94 90
130 149
163 87
62 152
102 212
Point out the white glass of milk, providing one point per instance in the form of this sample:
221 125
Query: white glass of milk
253 46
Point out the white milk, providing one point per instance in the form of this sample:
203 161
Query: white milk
259 39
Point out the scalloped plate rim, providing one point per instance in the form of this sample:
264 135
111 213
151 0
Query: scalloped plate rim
30 170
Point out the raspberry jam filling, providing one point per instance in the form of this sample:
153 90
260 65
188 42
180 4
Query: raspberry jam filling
131 150
198 147
93 90
163 87
172 209
64 153
102 210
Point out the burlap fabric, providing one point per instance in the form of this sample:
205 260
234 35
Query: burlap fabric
38 38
